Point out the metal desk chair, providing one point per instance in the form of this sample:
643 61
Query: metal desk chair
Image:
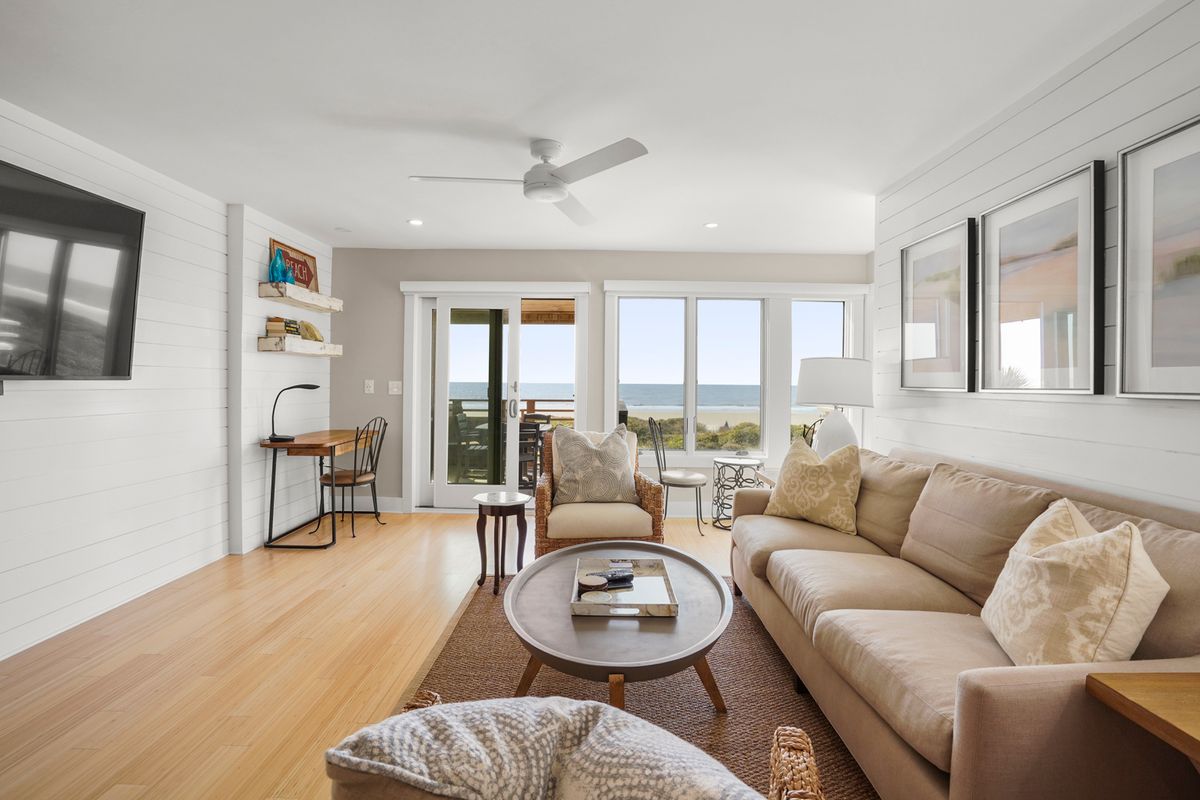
368 443
679 478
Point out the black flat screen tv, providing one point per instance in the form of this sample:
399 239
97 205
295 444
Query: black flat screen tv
69 263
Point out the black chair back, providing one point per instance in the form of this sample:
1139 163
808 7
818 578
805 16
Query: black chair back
368 443
660 450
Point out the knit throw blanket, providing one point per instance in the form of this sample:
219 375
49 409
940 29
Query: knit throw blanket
533 748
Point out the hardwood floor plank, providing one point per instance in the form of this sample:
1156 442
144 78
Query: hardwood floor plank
233 680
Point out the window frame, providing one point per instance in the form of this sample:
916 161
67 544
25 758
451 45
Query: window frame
775 407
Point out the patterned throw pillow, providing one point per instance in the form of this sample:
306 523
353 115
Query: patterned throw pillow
819 491
1070 595
593 473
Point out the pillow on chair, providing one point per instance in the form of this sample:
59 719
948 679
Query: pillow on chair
819 491
593 472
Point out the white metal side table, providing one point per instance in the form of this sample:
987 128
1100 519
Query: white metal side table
730 473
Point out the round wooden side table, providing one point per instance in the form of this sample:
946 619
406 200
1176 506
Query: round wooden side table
500 505
730 473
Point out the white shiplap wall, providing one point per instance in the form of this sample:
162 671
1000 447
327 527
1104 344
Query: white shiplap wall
257 377
1142 81
111 488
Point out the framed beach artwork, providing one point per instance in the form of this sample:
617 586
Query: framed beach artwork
1042 288
1159 276
304 265
937 281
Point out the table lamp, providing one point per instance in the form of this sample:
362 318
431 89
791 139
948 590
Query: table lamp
283 437
834 382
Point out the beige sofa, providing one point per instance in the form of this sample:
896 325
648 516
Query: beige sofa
883 629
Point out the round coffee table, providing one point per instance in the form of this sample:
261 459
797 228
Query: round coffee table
618 650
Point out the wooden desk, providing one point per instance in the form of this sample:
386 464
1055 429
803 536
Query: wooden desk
1167 704
318 444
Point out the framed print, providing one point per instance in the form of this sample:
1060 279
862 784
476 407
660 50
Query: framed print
937 281
1158 291
1042 288
303 265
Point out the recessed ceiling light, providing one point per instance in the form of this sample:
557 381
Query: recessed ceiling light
711 225
416 223
340 229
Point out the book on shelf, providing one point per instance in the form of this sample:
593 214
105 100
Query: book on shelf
278 326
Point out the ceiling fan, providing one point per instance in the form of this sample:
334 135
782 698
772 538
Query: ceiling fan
547 183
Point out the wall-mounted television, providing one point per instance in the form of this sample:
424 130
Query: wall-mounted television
69 262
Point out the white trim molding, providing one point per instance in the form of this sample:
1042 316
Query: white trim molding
735 289
523 288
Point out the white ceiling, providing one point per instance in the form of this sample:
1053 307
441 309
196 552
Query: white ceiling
777 119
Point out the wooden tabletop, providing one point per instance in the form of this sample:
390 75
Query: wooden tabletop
316 443
1167 704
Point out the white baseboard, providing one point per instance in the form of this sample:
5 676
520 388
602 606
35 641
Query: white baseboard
683 508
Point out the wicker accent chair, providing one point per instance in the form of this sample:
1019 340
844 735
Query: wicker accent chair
794 774
650 500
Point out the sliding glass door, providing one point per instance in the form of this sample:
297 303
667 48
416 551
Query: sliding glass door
476 398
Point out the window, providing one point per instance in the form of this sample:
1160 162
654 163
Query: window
818 330
715 363
728 374
651 366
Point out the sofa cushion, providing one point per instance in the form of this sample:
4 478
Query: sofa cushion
757 537
886 498
811 582
598 521
964 524
1070 594
1175 630
906 665
820 491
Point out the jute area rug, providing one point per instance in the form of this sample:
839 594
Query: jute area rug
482 659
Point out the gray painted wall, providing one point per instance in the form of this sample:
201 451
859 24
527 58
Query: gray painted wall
372 326
1142 81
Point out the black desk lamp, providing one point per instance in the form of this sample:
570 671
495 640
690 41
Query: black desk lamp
283 437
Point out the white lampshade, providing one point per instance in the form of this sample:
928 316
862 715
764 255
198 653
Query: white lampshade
834 382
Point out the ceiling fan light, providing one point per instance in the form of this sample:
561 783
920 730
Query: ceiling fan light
546 191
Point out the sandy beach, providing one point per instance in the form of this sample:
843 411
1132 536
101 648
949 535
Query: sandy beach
712 417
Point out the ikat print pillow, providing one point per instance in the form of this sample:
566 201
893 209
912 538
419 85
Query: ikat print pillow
819 491
1071 595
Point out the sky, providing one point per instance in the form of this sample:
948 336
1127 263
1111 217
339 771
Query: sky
651 343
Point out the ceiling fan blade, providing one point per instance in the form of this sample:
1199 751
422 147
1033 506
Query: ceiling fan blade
575 210
614 155
450 179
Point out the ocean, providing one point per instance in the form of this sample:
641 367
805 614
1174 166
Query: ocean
645 395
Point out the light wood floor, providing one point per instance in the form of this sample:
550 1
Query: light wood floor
232 681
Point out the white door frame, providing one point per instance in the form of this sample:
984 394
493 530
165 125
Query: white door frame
416 487
459 495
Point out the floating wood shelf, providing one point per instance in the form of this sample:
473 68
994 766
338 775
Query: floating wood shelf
298 296
298 346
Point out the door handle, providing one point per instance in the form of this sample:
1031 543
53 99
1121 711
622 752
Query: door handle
512 408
